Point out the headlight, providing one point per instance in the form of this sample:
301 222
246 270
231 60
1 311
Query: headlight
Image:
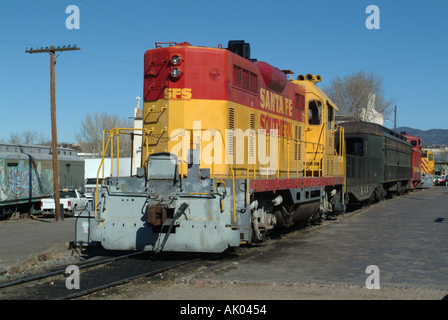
175 72
175 60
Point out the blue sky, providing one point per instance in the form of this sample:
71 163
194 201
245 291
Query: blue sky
326 37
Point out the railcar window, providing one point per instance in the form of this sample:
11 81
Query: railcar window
355 147
314 112
431 158
414 143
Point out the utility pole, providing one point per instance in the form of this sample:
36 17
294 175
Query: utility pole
54 139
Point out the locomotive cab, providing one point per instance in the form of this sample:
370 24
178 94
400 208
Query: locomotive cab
320 129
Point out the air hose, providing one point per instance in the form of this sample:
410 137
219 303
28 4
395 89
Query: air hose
179 212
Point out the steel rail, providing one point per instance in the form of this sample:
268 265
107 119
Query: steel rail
126 280
53 273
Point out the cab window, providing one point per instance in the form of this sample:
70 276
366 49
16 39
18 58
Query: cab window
330 117
314 112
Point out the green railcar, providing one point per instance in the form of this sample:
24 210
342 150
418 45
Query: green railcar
26 175
378 161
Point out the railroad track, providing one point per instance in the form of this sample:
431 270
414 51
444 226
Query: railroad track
93 277
115 271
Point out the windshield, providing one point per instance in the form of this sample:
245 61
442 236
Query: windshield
93 181
67 194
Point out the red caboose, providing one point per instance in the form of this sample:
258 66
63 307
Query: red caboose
416 159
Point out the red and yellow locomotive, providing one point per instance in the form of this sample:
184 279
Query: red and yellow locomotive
231 149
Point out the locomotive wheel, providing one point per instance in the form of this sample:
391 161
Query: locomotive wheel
377 195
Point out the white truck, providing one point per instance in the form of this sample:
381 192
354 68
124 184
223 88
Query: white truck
72 200
90 187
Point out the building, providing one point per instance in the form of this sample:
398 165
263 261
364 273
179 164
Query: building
138 138
368 114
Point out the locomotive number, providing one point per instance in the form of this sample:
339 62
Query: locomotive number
177 93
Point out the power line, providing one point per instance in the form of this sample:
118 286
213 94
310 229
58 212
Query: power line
76 65
130 24
92 55
26 44
27 97
89 24
84 54
389 64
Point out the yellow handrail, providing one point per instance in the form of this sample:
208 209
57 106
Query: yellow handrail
98 173
316 148
101 167
230 165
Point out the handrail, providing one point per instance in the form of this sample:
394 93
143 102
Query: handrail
111 133
317 147
98 173
320 167
230 165
342 150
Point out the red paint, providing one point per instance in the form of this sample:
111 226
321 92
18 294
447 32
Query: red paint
208 74
416 159
274 79
263 185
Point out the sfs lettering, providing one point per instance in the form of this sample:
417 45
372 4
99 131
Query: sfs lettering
177 93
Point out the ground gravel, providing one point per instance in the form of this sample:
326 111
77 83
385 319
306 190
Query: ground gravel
173 285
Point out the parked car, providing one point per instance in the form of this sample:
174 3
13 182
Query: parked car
89 187
71 199
441 181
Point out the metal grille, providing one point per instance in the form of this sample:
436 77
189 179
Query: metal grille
237 79
299 103
297 144
252 135
231 118
245 79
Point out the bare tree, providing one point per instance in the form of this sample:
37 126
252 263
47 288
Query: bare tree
355 93
43 140
90 134
15 138
441 158
28 137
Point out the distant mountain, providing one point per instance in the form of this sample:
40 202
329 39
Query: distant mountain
428 137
